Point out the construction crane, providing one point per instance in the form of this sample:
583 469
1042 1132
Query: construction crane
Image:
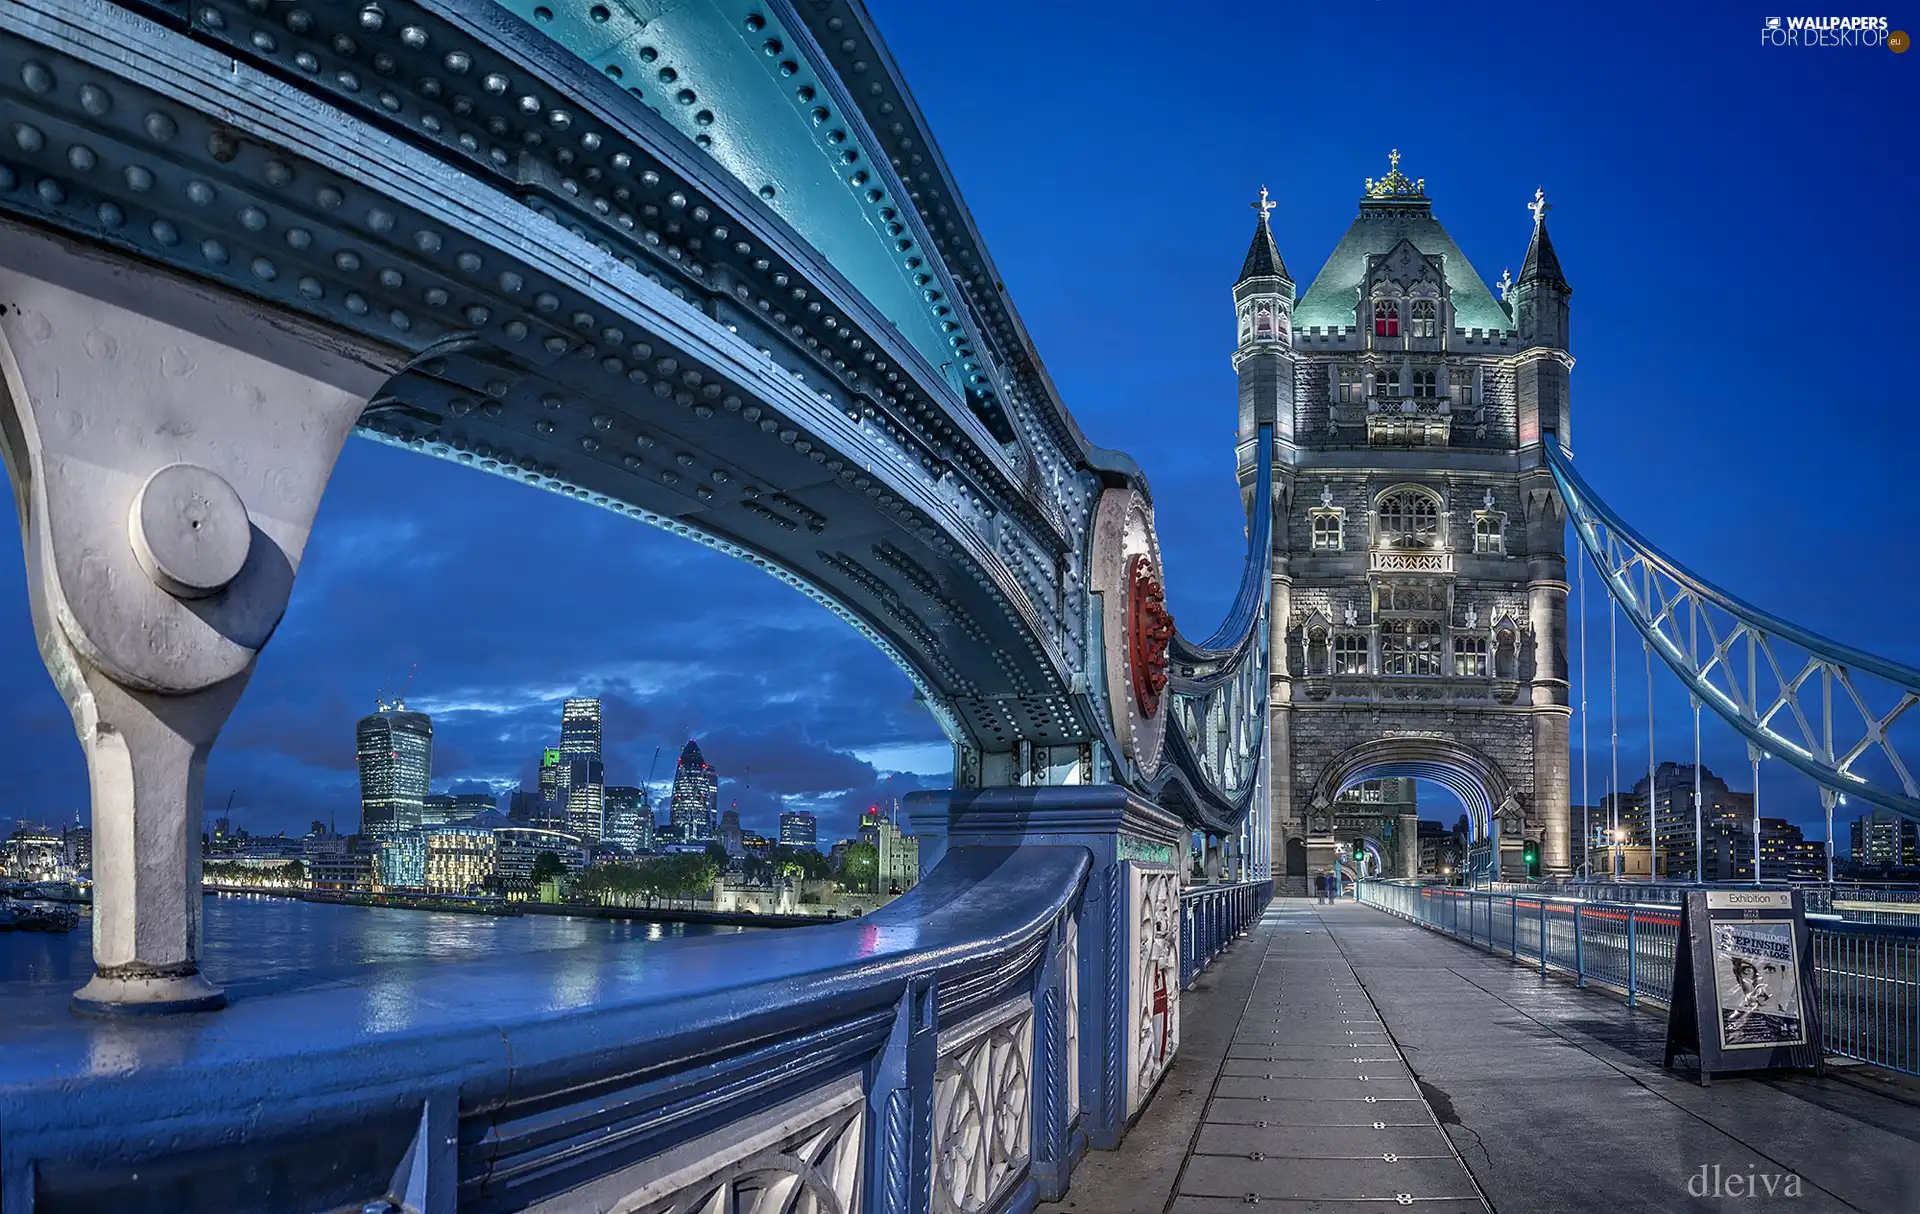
407 686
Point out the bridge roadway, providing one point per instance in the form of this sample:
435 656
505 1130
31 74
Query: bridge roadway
1493 1089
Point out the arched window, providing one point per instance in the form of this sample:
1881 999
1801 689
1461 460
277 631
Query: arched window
1426 385
1326 531
1263 318
1425 321
1349 653
1409 519
1386 382
1489 534
1410 646
1470 656
1246 321
1386 318
1352 385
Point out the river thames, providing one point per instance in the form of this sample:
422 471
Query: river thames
255 944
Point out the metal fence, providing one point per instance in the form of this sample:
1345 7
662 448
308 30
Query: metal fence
1212 917
1867 975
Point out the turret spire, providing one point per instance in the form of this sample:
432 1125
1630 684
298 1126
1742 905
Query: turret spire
1541 265
1263 256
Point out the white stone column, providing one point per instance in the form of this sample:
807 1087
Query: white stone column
167 446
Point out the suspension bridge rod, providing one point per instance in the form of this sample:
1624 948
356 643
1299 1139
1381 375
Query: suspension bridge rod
1616 548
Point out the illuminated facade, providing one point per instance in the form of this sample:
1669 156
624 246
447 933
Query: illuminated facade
395 750
460 859
401 863
799 828
629 818
1418 578
696 796
517 847
586 793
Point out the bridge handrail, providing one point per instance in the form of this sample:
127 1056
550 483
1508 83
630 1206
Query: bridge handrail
1630 948
1576 489
1214 916
557 1069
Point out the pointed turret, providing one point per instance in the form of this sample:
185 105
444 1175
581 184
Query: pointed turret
1539 303
1263 256
1263 301
1542 265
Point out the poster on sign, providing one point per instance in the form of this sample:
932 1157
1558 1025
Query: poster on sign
1758 983
1743 983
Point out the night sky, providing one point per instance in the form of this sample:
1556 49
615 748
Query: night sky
1736 223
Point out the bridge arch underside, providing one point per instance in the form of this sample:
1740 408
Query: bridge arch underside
748 397
1468 773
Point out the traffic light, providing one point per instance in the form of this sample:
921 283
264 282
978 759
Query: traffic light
1530 851
1359 853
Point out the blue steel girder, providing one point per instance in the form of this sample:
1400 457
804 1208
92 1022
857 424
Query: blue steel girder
1836 714
551 353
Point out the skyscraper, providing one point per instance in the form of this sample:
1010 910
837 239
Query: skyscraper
696 794
629 818
396 760
798 828
580 728
549 786
731 836
586 813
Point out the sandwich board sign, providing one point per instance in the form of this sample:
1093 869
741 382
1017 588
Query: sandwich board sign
1744 997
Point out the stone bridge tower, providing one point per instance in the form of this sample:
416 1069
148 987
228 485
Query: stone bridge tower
1419 592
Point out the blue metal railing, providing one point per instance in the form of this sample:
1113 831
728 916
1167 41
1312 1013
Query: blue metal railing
1867 975
1214 916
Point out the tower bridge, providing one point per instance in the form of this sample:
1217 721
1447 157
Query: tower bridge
703 266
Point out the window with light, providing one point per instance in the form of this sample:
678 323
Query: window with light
1386 318
1470 657
1409 519
1425 321
1326 531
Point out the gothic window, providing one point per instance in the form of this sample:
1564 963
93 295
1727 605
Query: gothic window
1470 657
1425 321
1350 653
1263 318
1462 389
1386 382
1489 533
1409 519
1426 384
1386 318
1352 385
1409 646
1246 321
1326 530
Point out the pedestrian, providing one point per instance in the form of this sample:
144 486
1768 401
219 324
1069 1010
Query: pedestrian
1320 894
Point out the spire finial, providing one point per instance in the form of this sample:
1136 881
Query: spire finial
1263 206
1505 284
1393 159
1539 206
1395 185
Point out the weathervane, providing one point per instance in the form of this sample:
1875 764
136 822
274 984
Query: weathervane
1539 206
1263 206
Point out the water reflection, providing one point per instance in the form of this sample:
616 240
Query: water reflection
254 944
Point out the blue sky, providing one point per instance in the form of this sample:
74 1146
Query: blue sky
1735 220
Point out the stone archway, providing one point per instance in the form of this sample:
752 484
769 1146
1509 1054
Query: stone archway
1470 774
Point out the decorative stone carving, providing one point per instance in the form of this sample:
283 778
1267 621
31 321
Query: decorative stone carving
1149 630
982 1096
803 1156
1155 910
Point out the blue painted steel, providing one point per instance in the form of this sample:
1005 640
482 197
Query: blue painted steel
1214 916
563 1066
1816 758
1867 974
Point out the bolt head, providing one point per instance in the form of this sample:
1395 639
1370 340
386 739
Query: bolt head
190 531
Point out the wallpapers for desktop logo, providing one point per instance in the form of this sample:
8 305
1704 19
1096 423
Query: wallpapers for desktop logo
1868 32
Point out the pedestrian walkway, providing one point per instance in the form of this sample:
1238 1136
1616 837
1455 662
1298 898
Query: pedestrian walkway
1341 1059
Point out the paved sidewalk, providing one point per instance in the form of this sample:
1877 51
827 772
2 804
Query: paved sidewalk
1486 1086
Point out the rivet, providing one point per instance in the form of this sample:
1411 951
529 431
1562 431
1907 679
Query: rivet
458 62
253 219
311 288
111 215
214 252
165 232
81 158
51 192
355 304
94 99
264 270
28 138
36 77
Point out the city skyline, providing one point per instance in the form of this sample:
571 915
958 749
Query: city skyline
1693 430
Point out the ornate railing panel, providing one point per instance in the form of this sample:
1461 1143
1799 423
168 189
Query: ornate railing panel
1832 712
